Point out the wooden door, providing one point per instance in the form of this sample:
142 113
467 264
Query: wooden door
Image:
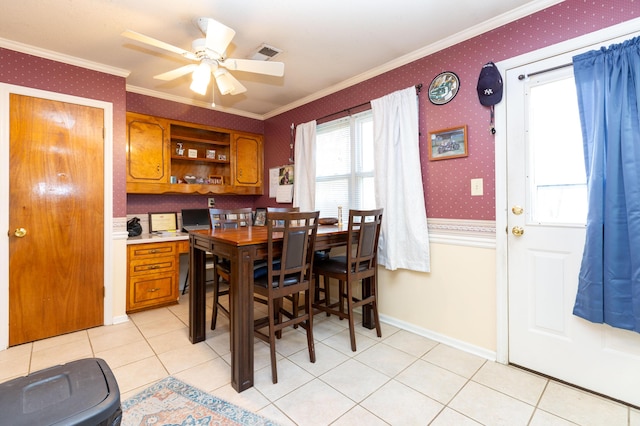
56 218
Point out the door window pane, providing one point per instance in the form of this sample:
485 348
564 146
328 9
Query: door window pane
557 182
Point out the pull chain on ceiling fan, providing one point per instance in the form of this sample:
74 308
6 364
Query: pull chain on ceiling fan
209 52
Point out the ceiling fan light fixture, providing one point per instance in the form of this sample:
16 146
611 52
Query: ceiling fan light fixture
225 84
201 77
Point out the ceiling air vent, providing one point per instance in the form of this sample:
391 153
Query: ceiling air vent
265 53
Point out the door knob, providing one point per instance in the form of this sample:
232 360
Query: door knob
20 232
517 210
517 231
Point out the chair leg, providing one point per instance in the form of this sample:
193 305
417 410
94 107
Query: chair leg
374 305
309 326
216 290
352 328
186 282
273 306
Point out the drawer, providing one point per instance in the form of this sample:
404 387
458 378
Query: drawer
183 246
152 289
137 251
152 265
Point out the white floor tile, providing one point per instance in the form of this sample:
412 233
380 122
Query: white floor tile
582 407
398 404
399 379
491 407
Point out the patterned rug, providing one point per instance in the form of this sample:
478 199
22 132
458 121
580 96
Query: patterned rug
175 403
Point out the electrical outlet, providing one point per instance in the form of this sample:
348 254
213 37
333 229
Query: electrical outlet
212 203
476 186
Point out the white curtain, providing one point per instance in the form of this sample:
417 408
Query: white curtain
304 181
404 238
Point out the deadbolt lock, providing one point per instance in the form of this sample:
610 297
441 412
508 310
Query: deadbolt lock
517 210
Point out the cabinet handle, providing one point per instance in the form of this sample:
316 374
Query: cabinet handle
151 290
158 168
154 266
152 251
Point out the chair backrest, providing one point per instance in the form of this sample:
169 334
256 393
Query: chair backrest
282 209
230 218
291 240
364 232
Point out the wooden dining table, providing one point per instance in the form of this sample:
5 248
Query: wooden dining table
242 247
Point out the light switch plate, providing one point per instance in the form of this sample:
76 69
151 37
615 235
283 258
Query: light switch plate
476 186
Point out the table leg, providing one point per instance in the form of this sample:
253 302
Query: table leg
197 293
241 312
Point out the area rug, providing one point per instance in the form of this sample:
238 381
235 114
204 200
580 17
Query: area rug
173 402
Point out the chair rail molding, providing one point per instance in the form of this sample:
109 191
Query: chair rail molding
464 232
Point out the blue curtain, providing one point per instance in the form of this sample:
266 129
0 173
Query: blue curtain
608 86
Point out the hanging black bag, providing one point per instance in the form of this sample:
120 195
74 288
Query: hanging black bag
134 227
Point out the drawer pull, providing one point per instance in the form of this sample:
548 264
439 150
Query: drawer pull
154 266
151 251
151 290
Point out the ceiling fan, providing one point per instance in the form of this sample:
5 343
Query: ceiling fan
209 53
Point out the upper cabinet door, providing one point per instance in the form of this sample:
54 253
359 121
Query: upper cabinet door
249 160
147 149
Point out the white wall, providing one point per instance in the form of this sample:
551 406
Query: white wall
456 302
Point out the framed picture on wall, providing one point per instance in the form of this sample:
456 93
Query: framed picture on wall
448 143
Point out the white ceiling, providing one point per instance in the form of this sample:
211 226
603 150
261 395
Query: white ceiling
327 44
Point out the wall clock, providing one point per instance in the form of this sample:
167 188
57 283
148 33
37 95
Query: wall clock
443 88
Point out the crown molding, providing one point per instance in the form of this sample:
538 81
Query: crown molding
60 57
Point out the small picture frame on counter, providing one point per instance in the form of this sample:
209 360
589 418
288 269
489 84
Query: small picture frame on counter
163 221
222 157
211 154
192 153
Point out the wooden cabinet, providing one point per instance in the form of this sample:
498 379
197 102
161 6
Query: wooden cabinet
220 161
153 275
247 151
147 149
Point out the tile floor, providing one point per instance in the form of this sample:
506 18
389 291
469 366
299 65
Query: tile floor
400 379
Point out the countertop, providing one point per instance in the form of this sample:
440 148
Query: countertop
157 238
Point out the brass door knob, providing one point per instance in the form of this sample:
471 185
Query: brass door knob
517 210
517 231
20 232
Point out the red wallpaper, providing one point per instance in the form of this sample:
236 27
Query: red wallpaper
446 182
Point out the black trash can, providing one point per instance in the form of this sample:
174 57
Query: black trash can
82 392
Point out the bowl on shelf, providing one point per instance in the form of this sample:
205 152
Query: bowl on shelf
190 179
327 221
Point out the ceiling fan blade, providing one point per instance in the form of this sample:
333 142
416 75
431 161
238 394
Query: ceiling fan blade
157 43
259 67
218 35
178 72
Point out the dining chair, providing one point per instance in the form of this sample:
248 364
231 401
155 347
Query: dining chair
224 219
291 238
282 209
359 264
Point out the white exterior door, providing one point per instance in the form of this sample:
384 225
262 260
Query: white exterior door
546 212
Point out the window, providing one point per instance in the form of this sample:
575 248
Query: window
344 165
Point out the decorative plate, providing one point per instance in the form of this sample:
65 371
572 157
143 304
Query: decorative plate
443 88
